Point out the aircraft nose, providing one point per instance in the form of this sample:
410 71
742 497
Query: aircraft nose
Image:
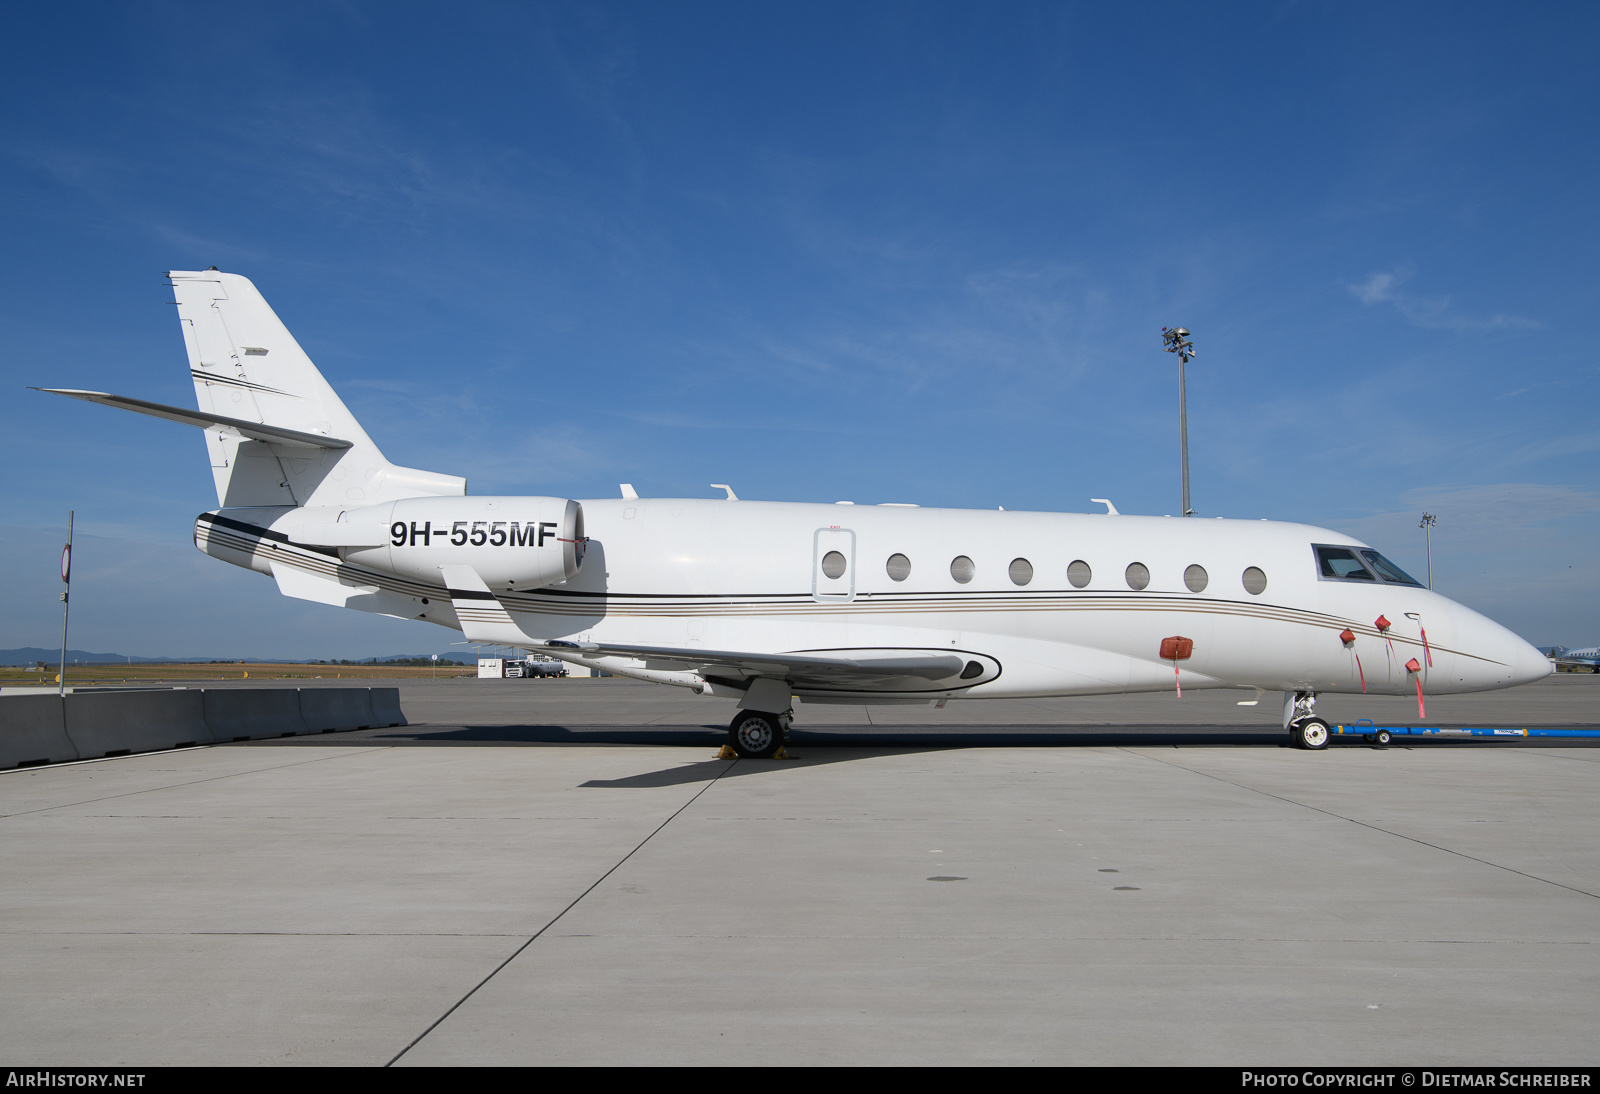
1529 665
1496 657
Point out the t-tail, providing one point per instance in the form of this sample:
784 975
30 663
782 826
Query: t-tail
306 497
276 433
246 364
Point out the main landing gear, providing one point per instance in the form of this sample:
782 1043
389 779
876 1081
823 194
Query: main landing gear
756 734
1306 730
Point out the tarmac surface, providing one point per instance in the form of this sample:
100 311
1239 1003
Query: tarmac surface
540 872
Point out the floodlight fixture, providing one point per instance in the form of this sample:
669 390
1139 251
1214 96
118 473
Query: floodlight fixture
1176 340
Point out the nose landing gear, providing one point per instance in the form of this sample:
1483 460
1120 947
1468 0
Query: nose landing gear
1310 733
1306 730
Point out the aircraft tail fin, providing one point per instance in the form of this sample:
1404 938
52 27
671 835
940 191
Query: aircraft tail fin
247 368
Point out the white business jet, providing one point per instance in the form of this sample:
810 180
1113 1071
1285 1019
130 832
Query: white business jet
766 602
1588 657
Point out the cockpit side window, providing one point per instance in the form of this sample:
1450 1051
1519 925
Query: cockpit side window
1388 570
1340 564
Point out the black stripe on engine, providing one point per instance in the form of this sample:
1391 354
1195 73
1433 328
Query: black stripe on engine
263 533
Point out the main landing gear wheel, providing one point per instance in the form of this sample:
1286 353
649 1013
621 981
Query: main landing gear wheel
755 735
1310 733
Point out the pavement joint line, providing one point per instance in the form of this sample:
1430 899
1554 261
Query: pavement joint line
192 782
1182 939
1376 828
1587 756
100 760
557 917
263 934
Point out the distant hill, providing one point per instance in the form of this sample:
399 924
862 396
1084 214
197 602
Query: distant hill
25 656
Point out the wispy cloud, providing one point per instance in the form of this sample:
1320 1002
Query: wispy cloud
1484 516
1430 312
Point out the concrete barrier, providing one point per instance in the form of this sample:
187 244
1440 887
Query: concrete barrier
92 723
386 707
248 713
33 728
135 721
336 708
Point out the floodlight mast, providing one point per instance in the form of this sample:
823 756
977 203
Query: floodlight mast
1176 340
1428 521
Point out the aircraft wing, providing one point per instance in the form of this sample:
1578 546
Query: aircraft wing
860 667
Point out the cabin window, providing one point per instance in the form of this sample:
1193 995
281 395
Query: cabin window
1255 580
1138 575
833 565
962 569
1196 578
1340 564
1021 571
1079 574
899 567
1388 570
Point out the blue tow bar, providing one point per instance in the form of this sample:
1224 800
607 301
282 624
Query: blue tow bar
1365 728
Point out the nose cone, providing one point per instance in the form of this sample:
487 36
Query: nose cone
1529 664
1492 656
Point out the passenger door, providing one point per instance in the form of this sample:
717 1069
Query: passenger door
833 565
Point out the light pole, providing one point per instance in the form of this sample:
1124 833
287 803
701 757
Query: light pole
1176 340
1428 521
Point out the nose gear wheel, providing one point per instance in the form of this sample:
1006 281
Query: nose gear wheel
1310 733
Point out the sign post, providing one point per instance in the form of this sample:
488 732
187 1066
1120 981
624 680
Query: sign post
66 581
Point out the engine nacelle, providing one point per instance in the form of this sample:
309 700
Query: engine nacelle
513 543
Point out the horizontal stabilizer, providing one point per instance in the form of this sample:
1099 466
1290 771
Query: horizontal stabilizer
303 585
269 434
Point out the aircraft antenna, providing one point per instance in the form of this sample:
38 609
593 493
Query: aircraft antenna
1176 340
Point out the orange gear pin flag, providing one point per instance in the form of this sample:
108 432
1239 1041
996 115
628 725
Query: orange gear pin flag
1348 637
1416 675
1175 649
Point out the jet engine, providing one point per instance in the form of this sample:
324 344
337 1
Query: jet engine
513 543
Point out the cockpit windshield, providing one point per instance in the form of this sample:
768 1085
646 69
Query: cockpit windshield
1388 570
1358 564
1341 564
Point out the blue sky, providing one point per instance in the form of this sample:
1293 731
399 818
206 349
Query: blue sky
881 252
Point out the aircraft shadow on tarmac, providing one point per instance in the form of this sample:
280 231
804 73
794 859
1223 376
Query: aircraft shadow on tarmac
809 747
909 737
706 770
